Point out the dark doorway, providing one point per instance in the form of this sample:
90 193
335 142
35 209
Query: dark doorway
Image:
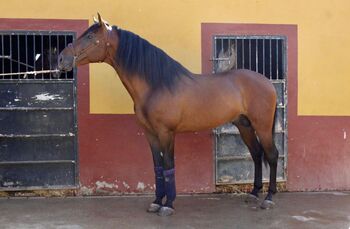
38 124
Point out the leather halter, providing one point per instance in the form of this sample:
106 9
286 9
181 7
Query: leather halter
82 54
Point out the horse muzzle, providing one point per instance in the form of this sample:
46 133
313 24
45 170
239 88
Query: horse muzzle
65 63
67 58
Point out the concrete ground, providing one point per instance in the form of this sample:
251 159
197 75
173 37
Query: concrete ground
293 210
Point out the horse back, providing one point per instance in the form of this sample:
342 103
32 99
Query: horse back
206 101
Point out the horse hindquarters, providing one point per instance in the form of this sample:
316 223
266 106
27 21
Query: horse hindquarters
260 111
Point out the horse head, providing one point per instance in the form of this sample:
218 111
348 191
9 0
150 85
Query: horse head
90 47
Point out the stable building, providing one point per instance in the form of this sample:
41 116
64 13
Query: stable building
77 131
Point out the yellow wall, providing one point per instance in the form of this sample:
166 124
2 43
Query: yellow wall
323 40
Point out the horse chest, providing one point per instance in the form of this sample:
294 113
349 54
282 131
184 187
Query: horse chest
141 117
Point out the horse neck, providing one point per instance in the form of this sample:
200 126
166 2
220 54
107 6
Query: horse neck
137 88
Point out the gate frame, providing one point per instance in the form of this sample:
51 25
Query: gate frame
61 25
217 132
209 30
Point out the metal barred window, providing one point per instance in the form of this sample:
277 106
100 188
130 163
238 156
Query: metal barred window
266 55
29 55
263 54
38 134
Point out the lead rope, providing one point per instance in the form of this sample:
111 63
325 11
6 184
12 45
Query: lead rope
25 73
29 73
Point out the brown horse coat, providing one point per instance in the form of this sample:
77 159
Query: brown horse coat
169 99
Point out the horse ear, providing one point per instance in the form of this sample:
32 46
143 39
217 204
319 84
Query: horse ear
99 19
95 20
103 23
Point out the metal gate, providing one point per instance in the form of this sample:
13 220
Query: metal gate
38 124
266 55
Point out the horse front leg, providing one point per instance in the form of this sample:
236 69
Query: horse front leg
166 139
158 172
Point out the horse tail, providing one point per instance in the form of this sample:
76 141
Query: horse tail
264 159
274 124
272 136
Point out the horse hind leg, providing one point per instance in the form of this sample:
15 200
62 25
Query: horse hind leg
249 138
271 155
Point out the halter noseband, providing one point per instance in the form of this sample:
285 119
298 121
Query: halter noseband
82 54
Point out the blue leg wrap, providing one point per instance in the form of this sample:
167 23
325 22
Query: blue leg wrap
170 188
160 186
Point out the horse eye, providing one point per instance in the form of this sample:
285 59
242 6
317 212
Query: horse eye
90 36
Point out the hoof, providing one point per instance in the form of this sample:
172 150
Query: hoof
251 199
153 208
267 204
166 211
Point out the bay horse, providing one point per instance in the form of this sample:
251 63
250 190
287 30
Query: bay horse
169 99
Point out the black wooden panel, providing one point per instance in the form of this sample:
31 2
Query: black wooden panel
37 122
43 175
37 149
36 95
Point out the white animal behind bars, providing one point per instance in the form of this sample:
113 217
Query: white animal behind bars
227 59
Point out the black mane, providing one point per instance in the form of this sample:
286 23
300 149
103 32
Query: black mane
140 58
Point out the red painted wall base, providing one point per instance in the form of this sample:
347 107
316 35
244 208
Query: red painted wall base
319 154
115 158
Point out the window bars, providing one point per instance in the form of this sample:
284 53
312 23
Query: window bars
263 54
32 55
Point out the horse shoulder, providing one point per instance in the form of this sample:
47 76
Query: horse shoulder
162 109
